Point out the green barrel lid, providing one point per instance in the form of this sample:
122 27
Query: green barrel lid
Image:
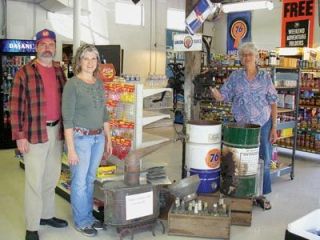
241 135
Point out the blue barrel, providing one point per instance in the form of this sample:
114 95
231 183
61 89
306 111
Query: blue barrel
209 179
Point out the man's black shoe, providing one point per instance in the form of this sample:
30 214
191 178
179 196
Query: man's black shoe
32 235
54 222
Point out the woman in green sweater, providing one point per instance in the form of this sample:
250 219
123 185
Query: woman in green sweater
85 120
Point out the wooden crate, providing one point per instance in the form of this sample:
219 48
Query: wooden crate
241 211
198 225
241 208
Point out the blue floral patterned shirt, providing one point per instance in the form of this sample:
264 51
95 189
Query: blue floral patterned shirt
251 100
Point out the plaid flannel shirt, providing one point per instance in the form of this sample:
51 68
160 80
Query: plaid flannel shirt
27 103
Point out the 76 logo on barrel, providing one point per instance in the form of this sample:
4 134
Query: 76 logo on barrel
213 158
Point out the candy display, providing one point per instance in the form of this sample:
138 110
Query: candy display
121 107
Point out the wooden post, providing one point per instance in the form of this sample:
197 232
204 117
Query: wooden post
192 68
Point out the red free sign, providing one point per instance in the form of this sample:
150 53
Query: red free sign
297 23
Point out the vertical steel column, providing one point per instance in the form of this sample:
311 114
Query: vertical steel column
76 25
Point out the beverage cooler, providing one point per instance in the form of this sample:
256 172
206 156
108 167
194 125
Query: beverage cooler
14 53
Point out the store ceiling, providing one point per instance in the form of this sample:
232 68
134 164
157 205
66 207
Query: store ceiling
38 1
28 1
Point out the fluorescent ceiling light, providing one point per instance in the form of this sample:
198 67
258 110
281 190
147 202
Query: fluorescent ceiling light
247 6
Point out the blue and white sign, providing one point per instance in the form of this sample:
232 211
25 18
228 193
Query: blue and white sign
17 46
187 42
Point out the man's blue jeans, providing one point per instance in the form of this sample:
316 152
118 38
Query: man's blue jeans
265 153
90 149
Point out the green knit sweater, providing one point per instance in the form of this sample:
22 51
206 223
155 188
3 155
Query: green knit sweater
83 104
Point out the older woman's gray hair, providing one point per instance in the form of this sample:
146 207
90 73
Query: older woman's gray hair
248 47
81 51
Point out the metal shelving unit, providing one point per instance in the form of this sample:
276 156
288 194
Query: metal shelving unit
146 117
281 76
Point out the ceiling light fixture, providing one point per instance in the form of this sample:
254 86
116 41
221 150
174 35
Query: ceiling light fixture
247 6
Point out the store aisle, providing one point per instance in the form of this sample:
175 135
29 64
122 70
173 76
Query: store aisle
290 200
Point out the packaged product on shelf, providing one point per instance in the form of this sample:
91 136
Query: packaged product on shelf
156 81
104 171
107 72
280 102
289 101
272 58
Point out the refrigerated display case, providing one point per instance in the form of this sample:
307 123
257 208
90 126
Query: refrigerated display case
14 53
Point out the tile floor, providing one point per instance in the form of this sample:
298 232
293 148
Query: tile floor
290 200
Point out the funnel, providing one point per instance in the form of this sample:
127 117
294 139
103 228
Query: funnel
185 189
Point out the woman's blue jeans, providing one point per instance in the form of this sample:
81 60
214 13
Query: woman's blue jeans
90 149
265 153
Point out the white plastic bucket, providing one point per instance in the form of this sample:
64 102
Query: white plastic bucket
203 132
203 156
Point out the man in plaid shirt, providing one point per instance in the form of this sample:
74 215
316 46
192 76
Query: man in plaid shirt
35 106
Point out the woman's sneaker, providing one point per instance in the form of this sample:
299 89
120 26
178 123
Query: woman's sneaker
97 225
88 231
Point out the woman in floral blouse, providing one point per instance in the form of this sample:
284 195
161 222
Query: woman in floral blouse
254 101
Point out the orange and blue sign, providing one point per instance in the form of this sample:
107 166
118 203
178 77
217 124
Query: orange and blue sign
239 30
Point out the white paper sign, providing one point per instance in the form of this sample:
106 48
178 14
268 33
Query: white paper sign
187 42
139 205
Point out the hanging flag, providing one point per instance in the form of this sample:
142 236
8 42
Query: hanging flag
297 23
239 30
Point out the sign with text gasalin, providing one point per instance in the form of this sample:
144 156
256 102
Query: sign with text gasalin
297 23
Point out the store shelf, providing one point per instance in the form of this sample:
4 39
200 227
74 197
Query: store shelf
286 68
310 70
308 106
151 91
159 108
150 139
285 88
300 149
150 117
285 110
315 90
21 163
63 192
64 162
282 170
146 117
283 125
284 137
60 189
309 130
285 74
